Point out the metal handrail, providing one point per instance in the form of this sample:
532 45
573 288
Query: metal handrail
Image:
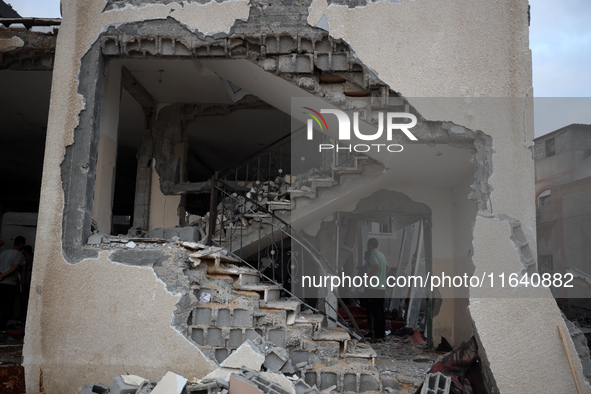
323 264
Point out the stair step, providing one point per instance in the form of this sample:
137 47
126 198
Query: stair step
294 193
322 182
332 334
315 320
219 276
229 270
347 170
248 279
288 305
292 307
279 205
270 292
357 350
212 253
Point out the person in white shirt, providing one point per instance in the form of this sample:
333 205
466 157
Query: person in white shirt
11 260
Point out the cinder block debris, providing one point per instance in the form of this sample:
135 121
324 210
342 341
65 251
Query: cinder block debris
301 387
280 379
247 355
275 359
288 369
248 379
436 383
146 387
210 387
120 386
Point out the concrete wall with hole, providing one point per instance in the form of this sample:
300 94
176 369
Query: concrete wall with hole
92 317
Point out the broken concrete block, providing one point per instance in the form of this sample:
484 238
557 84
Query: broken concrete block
436 383
260 382
196 386
92 388
301 387
133 380
288 369
222 382
276 359
171 383
328 379
119 386
156 233
327 349
146 387
248 355
280 380
369 382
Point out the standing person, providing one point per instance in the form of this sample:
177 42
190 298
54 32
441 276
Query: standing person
26 281
378 266
364 294
10 262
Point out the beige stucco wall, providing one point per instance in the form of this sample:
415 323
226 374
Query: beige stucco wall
98 319
81 324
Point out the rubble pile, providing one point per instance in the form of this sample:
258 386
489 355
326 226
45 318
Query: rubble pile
262 343
252 368
259 366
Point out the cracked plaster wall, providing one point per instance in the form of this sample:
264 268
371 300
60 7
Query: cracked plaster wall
87 318
459 49
494 63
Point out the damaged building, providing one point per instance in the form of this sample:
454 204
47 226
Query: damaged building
179 209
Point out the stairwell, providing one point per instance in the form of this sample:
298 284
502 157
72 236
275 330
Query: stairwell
256 205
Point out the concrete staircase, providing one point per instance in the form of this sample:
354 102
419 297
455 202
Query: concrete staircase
240 307
258 229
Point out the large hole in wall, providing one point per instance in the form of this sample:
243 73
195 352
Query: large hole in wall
202 116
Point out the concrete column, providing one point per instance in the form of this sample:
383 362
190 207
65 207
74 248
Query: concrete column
143 184
182 151
107 150
163 209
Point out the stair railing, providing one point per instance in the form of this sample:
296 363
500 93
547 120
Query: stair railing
280 231
239 195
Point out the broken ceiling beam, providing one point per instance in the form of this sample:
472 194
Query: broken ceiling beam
136 90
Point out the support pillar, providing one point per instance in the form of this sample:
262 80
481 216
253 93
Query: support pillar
107 150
